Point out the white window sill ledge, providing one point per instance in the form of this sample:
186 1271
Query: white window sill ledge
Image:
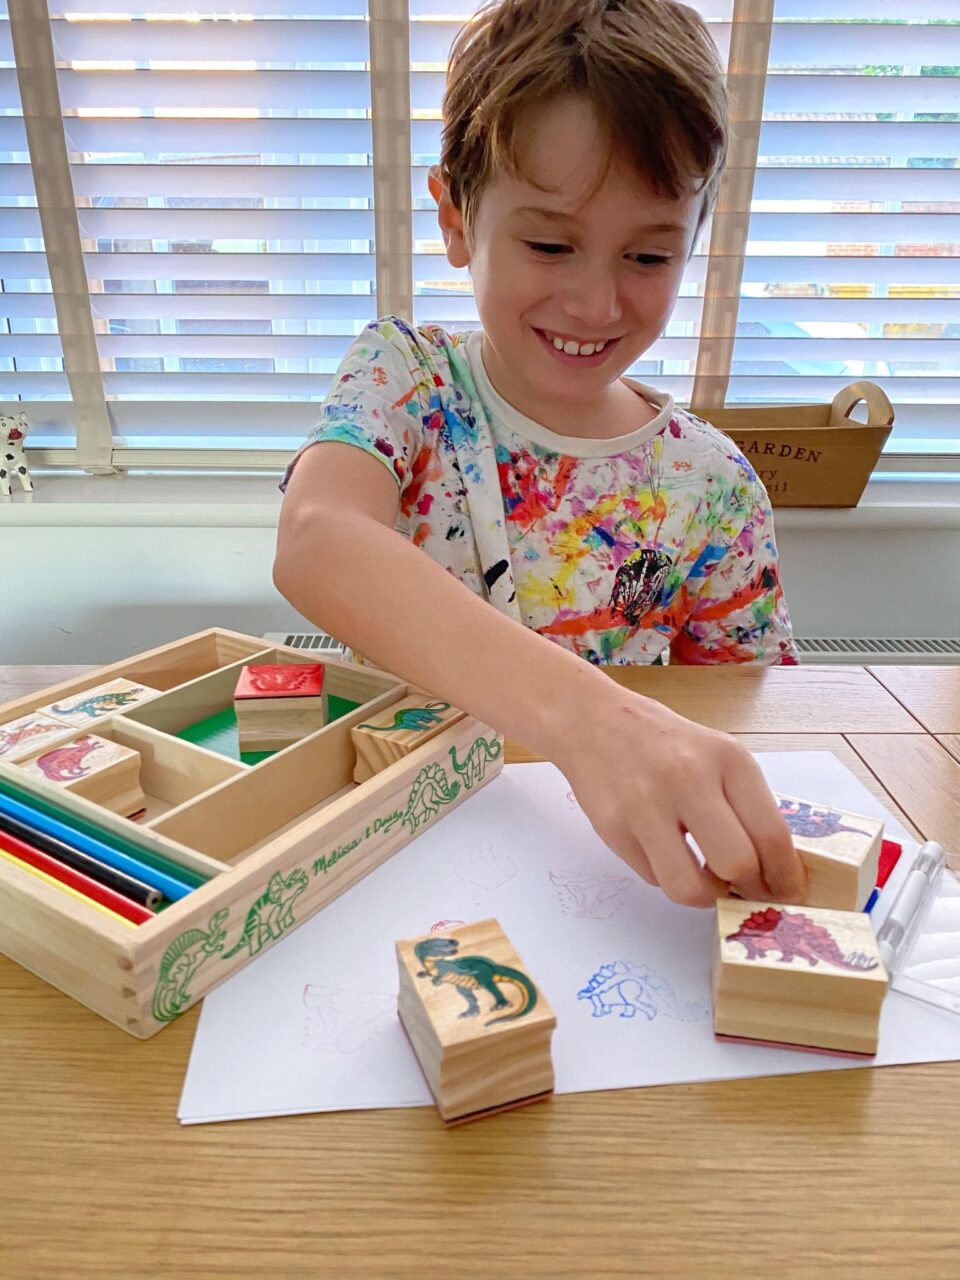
253 501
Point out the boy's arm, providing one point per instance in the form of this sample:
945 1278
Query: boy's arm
642 774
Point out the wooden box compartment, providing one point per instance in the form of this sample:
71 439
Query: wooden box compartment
274 840
171 771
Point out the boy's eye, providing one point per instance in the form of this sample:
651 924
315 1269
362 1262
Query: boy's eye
551 250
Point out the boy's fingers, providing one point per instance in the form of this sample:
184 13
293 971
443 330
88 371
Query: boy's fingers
780 864
627 847
678 873
728 849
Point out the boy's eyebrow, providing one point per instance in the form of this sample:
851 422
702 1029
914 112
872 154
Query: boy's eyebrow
557 215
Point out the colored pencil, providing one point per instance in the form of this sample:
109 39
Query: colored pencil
57 884
109 877
170 886
139 852
131 911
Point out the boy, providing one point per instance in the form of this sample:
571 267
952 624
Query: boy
583 141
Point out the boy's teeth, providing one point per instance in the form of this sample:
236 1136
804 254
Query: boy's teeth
574 348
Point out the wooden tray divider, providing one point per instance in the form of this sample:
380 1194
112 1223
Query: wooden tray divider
245 810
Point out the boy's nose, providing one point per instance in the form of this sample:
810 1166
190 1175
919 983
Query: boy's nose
594 303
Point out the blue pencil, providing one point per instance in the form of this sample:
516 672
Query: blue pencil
168 885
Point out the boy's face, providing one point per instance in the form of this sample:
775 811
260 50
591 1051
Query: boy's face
610 274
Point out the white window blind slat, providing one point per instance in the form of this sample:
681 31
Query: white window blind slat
137 42
216 134
225 10
343 311
249 90
19 222
223 181
320 227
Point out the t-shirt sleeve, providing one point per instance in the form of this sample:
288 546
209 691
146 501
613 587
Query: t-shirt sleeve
376 400
738 612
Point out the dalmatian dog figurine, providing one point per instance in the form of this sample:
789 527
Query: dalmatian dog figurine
13 461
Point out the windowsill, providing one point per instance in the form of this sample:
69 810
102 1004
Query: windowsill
253 501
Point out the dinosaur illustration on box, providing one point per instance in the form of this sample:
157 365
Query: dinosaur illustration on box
431 789
272 914
628 989
468 973
794 936
473 768
180 962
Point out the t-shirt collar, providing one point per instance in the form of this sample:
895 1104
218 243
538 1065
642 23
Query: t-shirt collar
573 446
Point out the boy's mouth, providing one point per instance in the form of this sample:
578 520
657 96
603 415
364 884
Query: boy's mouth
585 361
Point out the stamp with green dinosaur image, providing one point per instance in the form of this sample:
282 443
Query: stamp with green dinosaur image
467 974
412 719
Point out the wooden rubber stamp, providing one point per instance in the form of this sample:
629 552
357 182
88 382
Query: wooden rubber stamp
277 704
25 736
841 852
478 1024
102 771
398 731
83 709
797 977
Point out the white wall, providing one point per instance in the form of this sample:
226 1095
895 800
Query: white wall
93 581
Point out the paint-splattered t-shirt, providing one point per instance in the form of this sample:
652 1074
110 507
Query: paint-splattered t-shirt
617 549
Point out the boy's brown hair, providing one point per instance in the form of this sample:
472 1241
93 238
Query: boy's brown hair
648 67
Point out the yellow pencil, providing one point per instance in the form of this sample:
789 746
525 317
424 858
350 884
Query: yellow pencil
65 888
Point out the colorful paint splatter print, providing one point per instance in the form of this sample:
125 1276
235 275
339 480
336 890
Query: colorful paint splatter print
617 549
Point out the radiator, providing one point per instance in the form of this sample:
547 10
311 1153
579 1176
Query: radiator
862 650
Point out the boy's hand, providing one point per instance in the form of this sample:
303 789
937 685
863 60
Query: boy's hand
645 776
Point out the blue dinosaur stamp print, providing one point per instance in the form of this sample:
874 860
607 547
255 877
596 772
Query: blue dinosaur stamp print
628 989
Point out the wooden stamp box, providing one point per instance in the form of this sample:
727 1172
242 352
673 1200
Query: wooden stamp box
273 839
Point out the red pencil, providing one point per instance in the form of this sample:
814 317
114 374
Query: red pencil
75 880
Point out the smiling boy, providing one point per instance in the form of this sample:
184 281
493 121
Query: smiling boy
581 150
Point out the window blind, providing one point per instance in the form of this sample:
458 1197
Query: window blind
224 173
31 357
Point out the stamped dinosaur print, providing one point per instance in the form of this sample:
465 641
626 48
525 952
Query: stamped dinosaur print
181 960
794 936
627 989
469 974
272 914
590 897
341 1021
485 867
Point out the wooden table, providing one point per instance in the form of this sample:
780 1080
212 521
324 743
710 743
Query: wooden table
848 1174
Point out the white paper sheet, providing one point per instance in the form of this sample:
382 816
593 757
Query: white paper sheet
311 1025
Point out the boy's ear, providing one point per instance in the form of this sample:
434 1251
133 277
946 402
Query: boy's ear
450 219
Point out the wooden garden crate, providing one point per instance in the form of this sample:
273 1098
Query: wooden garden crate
278 839
811 455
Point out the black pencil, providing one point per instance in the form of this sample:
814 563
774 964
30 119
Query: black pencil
119 881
